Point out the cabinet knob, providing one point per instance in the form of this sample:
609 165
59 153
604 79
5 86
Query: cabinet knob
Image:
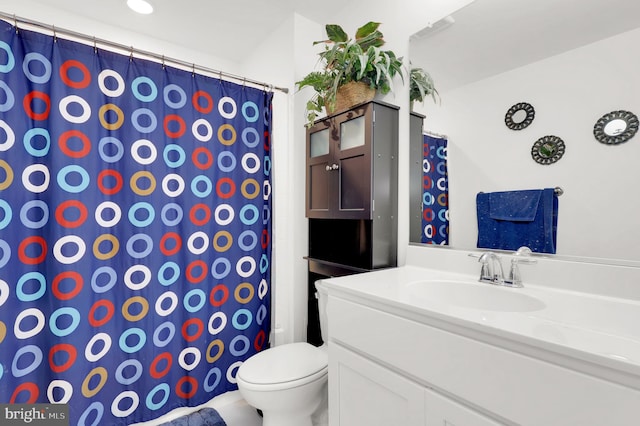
327 168
335 167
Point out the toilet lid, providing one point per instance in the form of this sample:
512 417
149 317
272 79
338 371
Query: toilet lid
284 363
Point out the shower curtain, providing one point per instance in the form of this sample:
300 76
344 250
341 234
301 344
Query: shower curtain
135 230
435 195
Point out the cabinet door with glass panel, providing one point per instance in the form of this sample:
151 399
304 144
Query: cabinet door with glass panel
339 166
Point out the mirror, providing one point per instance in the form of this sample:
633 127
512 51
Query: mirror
568 58
616 127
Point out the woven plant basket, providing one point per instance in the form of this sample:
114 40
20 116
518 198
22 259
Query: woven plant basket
352 93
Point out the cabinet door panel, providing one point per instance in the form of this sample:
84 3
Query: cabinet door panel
363 393
355 184
442 411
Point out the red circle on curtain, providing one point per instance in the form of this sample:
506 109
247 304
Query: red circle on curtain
185 329
428 214
192 382
189 271
70 350
232 188
103 175
26 103
258 342
69 204
267 140
33 390
153 368
195 99
22 255
72 275
265 239
64 74
194 211
225 295
86 144
108 305
182 126
163 243
196 160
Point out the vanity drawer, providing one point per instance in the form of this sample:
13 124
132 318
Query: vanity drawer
523 389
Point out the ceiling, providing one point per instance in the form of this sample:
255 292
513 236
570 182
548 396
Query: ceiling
225 29
488 36
493 36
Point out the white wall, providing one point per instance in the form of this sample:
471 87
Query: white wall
569 92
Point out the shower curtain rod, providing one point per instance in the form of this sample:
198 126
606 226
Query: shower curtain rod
130 49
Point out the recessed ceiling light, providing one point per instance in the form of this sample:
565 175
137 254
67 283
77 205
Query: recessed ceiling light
140 6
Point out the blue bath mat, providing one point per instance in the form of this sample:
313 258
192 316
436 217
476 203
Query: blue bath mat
204 417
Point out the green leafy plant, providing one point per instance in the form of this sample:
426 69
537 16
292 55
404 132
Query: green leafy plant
421 85
345 60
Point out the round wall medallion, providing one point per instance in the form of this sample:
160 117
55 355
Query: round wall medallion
548 149
519 116
616 127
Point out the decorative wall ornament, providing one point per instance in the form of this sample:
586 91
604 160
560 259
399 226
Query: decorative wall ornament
548 149
616 127
519 116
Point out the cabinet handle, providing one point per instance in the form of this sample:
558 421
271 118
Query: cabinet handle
335 167
328 168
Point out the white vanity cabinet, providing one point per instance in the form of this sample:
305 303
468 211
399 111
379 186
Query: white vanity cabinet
390 364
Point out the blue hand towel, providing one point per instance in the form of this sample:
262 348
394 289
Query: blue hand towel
512 219
203 417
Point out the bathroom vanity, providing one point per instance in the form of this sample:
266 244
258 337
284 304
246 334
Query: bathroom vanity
426 346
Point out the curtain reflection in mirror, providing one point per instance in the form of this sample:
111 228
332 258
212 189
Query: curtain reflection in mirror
435 185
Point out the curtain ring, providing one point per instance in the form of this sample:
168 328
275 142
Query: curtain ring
95 45
131 54
163 65
15 22
193 70
55 35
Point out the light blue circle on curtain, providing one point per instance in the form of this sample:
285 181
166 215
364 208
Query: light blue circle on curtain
267 165
142 223
215 371
110 141
162 279
94 406
248 317
253 240
134 331
32 350
27 140
6 253
161 343
246 344
208 186
120 372
167 96
249 214
164 214
225 264
64 311
10 98
181 156
139 254
135 88
34 204
38 79
266 215
261 314
162 387
31 297
201 302
250 137
74 189
8 214
245 111
264 263
135 117
11 60
224 155
113 277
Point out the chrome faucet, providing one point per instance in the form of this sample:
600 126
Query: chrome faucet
491 271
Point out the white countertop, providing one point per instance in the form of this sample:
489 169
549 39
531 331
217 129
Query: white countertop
597 332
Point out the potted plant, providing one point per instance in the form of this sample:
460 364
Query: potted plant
348 63
421 85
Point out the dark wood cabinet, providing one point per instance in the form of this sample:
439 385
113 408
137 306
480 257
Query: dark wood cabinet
351 196
352 163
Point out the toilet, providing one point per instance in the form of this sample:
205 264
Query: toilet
288 383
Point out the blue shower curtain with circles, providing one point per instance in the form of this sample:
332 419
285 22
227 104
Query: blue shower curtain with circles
135 230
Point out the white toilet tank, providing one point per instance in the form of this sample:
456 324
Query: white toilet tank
322 296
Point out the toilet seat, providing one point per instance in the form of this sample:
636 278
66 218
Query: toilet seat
283 367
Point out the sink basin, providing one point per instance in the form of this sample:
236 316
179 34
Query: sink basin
473 295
